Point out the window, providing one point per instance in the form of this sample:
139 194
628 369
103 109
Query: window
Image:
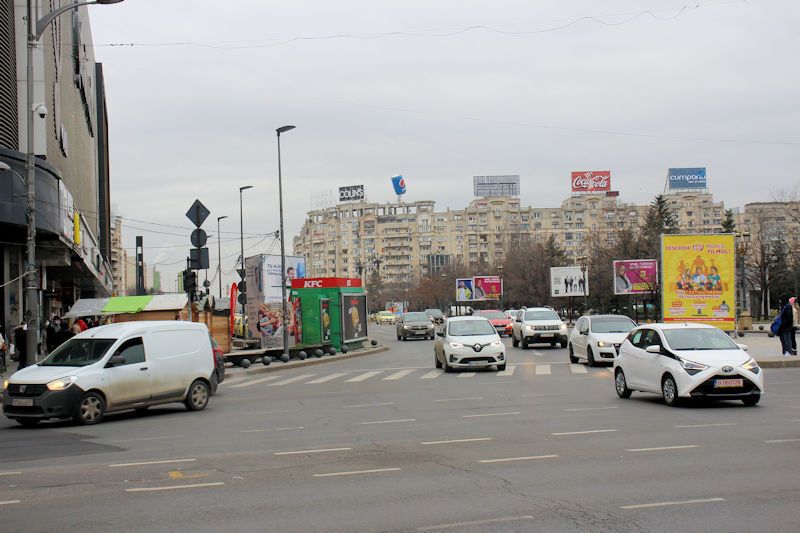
132 350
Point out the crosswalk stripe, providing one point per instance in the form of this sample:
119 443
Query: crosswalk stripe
543 369
291 380
399 374
365 375
508 371
578 369
326 378
433 374
467 375
254 382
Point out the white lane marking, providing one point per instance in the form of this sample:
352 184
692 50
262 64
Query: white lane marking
476 523
467 374
664 504
459 399
176 487
368 405
491 414
365 375
781 440
543 369
433 374
269 429
542 394
457 441
292 380
10 502
326 378
271 412
589 409
399 374
387 421
528 458
610 369
509 371
356 472
584 432
301 452
707 425
537 352
144 463
662 448
253 382
149 438
10 473
578 369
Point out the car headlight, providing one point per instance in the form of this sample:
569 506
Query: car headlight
5 384
406 327
564 327
691 367
497 343
456 345
61 383
601 344
529 328
752 366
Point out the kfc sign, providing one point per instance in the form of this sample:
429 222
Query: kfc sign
593 181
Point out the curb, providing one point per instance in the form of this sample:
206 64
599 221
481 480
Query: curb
788 363
277 366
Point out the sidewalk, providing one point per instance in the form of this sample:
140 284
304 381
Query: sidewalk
767 351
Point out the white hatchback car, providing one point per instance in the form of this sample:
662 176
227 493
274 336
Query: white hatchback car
468 342
598 337
686 361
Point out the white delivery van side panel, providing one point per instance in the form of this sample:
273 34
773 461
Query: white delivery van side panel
178 357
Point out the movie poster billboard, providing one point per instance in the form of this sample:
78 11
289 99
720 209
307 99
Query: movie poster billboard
486 288
354 317
568 281
635 276
464 289
698 273
264 308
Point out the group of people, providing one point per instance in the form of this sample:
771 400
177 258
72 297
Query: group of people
788 321
700 281
576 285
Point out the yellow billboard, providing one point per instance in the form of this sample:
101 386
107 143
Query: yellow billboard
698 282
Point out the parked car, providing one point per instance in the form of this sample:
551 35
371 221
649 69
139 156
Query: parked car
436 315
414 325
686 361
468 342
538 325
131 365
219 362
386 317
498 319
598 337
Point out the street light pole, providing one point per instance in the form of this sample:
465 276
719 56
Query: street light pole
285 355
241 236
219 254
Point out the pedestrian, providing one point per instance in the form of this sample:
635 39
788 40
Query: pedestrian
63 334
50 333
786 326
21 345
3 350
795 323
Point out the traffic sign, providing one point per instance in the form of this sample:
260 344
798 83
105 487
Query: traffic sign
199 238
198 213
198 258
206 284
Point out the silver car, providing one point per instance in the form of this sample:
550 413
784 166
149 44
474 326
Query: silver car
414 325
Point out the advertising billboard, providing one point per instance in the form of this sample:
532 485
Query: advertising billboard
354 317
591 181
264 309
325 318
698 273
351 192
399 184
486 288
569 281
464 290
687 178
635 276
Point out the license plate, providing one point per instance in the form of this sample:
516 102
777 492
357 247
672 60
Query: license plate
423 332
476 363
22 402
546 335
721 383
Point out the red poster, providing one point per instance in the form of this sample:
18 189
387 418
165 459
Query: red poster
591 181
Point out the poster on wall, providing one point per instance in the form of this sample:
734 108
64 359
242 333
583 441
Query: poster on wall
464 290
699 279
568 281
635 276
486 288
325 319
264 310
354 317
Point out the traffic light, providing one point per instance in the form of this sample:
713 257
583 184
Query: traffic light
190 281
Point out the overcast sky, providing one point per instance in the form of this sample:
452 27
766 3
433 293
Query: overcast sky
457 88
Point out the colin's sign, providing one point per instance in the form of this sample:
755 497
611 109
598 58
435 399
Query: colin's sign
351 192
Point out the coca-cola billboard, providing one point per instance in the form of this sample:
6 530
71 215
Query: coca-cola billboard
592 181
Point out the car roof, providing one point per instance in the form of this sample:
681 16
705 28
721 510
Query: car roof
488 311
122 329
592 317
465 318
678 325
537 309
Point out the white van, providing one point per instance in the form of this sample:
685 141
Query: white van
131 365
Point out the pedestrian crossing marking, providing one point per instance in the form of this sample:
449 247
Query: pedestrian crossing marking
365 375
509 371
399 374
467 374
254 382
433 374
578 369
291 380
543 369
326 378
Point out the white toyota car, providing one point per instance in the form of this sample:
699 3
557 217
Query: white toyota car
687 361
596 338
468 342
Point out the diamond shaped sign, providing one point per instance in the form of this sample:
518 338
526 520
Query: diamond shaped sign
198 213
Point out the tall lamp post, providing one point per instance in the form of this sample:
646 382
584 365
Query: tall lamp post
284 311
241 236
35 31
219 254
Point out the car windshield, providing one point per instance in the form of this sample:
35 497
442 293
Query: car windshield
464 328
541 315
491 315
415 317
698 339
78 352
612 325
435 313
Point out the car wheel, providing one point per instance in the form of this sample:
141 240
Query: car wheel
590 356
751 400
563 344
621 384
669 390
502 367
524 342
197 397
28 422
447 367
514 341
436 360
398 337
572 358
553 344
90 409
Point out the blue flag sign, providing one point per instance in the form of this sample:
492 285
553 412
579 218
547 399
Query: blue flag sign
399 183
687 178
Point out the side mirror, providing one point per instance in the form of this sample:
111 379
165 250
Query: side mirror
742 346
653 348
116 360
440 333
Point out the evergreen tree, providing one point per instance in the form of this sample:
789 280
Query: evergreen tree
554 255
660 219
728 224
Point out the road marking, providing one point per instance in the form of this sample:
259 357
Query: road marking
467 374
10 473
177 474
433 374
578 369
253 382
457 441
149 438
365 375
707 425
388 421
399 374
664 504
326 378
508 371
459 399
590 409
291 380
476 523
300 452
10 502
269 429
528 458
176 487
610 369
584 432
356 472
662 448
542 394
491 414
543 369
368 405
166 461
781 440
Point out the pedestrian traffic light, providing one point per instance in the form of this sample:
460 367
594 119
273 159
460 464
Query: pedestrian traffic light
189 281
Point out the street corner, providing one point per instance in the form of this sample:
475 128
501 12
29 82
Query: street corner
311 360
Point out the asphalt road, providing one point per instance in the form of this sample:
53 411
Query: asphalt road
386 443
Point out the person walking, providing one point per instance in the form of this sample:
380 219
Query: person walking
795 323
3 351
21 345
786 326
62 335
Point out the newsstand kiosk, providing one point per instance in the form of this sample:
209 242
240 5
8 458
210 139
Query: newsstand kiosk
332 312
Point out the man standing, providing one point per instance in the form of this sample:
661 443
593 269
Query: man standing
21 344
795 324
786 326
